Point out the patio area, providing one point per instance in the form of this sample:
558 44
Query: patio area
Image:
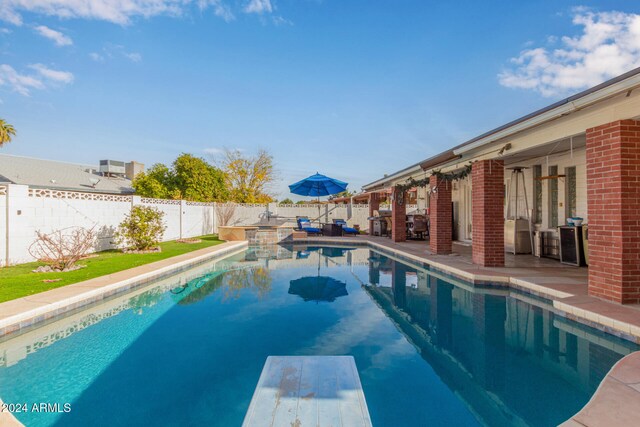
564 285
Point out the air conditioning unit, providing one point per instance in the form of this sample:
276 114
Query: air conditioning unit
114 167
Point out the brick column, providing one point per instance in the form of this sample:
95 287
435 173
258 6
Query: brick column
440 216
374 205
399 284
613 199
399 216
487 204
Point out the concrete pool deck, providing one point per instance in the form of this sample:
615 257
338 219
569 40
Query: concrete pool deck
615 402
564 285
28 311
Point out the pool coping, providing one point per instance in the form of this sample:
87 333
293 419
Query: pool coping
613 403
586 310
7 419
25 312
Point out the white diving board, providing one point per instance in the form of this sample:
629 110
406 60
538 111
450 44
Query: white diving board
302 391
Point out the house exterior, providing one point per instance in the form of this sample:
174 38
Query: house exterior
580 157
49 174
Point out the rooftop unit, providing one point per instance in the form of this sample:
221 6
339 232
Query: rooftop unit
112 167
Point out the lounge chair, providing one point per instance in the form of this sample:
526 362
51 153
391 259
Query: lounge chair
305 225
345 230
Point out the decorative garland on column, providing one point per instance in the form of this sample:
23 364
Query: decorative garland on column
442 177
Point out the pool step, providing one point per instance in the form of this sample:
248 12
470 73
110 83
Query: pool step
308 391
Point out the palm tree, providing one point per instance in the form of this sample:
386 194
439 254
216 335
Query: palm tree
6 132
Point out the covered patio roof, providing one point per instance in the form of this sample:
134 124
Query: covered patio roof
622 85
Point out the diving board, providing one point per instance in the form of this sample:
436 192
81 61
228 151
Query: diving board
308 391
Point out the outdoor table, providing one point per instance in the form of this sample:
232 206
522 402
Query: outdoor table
331 230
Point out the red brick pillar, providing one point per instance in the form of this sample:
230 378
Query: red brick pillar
487 204
374 205
399 216
440 216
613 199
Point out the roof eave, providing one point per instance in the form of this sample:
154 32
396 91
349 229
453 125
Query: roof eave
404 173
601 92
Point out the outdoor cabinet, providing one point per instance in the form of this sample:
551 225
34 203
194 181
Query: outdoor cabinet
517 236
379 227
331 230
571 245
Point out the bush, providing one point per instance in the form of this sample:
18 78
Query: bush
61 249
141 230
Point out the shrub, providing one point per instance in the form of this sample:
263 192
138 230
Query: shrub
141 230
61 249
224 213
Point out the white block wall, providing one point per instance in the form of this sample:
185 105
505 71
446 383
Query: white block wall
578 159
31 210
563 160
171 210
197 219
252 214
3 224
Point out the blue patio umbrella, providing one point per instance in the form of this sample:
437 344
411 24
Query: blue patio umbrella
318 288
318 185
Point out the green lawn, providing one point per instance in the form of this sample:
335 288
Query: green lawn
18 281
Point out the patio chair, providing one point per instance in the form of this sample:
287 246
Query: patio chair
345 229
304 224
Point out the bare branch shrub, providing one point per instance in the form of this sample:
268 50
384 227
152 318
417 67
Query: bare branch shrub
62 249
225 212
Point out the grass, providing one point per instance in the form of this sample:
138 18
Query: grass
18 281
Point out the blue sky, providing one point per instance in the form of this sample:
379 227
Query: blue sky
352 89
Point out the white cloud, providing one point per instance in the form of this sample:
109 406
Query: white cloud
258 6
96 57
609 45
116 11
133 56
5 31
279 20
214 151
23 83
20 83
58 38
51 74
219 9
111 51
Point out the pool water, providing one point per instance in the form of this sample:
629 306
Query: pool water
430 350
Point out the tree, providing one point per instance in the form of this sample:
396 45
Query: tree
189 178
345 193
7 131
286 201
157 182
198 181
248 177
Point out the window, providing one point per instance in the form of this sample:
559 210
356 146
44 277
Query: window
537 194
553 197
570 191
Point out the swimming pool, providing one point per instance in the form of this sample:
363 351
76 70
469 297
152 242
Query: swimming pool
430 350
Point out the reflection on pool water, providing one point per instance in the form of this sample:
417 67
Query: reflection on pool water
188 350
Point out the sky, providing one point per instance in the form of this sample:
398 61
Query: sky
351 89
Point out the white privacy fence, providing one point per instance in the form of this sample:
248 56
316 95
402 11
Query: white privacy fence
24 210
